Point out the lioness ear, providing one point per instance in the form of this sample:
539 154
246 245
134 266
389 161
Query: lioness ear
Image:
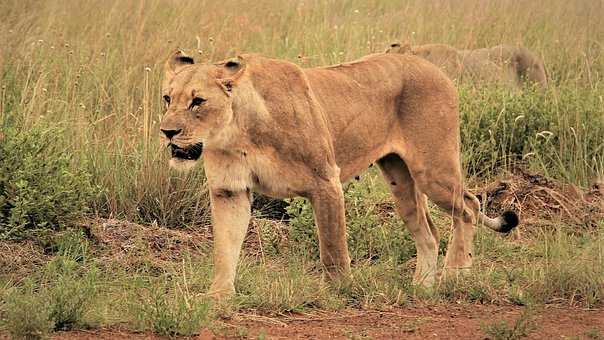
176 61
232 71
397 47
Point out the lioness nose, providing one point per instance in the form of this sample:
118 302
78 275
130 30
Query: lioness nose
171 133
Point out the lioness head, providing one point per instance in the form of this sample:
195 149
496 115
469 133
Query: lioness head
198 105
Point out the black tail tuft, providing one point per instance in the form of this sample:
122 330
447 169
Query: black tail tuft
510 221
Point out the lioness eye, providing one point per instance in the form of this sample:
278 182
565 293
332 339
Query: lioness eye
167 99
196 102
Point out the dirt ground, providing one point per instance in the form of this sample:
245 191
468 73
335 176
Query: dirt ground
446 321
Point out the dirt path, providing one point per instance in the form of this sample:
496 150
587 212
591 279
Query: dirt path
450 321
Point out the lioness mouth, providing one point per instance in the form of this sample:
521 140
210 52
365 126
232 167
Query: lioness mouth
192 152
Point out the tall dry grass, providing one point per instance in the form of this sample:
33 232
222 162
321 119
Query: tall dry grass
94 68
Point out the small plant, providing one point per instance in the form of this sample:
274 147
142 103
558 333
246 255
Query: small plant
501 330
594 334
277 291
376 285
27 314
170 311
261 335
571 270
475 286
71 244
70 296
59 298
351 335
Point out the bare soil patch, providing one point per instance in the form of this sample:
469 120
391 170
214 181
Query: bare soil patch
447 321
443 321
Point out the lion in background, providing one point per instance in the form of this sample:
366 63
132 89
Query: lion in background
507 65
268 126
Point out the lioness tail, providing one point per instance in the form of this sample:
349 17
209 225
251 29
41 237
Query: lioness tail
503 224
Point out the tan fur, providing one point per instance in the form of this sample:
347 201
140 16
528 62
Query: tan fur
274 128
503 64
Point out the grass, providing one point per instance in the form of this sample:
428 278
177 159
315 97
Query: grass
169 308
61 300
278 288
75 290
503 331
83 82
29 317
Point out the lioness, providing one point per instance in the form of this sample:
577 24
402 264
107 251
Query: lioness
269 126
503 64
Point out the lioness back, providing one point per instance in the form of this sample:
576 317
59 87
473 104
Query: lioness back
379 92
365 104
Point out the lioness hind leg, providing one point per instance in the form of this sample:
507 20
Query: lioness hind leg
411 206
446 190
328 207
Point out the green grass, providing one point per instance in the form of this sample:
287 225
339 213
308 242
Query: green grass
169 308
60 299
557 132
503 331
26 313
277 288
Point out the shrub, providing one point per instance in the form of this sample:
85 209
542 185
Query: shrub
60 298
302 230
27 314
70 295
39 187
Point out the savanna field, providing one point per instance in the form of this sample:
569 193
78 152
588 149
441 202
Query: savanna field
99 238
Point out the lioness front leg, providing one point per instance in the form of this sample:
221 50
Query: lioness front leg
230 218
328 207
